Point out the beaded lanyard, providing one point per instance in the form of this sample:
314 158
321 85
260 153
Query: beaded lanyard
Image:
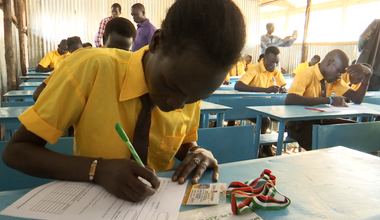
259 193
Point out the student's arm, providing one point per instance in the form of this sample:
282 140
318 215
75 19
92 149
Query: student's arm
40 68
26 152
206 160
363 69
240 86
38 91
294 99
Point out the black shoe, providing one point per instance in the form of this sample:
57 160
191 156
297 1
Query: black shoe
266 151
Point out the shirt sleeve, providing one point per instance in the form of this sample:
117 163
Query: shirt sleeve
99 34
298 69
59 106
340 87
192 134
299 84
47 60
280 80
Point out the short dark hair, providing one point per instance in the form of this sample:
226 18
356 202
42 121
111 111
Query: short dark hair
260 57
316 57
73 41
121 26
87 44
206 26
273 50
116 5
139 6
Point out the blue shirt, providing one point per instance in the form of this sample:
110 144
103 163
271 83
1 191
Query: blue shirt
145 32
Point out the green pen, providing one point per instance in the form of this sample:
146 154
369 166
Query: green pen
125 138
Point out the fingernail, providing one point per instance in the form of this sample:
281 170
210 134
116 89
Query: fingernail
217 176
174 178
196 179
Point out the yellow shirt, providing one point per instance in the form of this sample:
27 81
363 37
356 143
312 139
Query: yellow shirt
50 59
301 67
346 78
258 76
308 83
94 89
59 59
240 69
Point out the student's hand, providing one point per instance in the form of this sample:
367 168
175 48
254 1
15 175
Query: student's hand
283 90
339 102
199 160
359 69
225 82
120 178
271 89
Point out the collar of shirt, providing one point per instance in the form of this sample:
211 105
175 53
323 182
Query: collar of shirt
144 23
317 72
134 84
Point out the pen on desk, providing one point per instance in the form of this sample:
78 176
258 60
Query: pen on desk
125 138
315 109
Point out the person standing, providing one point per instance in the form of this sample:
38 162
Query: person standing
116 11
145 29
269 39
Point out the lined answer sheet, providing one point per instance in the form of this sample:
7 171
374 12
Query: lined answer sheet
80 200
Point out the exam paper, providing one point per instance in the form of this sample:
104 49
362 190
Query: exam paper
79 200
353 108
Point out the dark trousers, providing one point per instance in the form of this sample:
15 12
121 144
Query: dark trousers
302 131
374 83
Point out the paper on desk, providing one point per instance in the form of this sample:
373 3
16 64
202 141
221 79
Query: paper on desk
80 200
353 108
217 212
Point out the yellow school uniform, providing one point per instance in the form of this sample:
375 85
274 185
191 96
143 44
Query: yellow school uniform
50 59
258 76
240 69
346 78
59 59
301 67
94 89
308 83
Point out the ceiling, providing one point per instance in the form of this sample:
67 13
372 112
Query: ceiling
276 5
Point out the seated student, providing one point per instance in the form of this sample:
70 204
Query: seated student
47 63
119 33
73 44
315 85
264 76
237 69
302 66
247 61
260 57
168 79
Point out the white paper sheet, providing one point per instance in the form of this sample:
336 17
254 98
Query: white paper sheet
353 108
216 212
78 201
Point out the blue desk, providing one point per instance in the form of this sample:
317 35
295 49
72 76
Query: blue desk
218 94
30 78
15 95
9 118
207 108
297 113
47 74
333 183
29 85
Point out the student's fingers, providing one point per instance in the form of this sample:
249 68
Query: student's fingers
201 168
215 176
185 167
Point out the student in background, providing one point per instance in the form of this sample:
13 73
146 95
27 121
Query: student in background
119 33
168 78
312 62
315 85
237 69
145 29
73 44
116 11
47 64
260 57
87 44
264 76
247 61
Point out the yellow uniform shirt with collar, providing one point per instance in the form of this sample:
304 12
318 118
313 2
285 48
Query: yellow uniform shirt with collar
94 89
308 83
59 60
50 59
258 76
301 67
240 69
